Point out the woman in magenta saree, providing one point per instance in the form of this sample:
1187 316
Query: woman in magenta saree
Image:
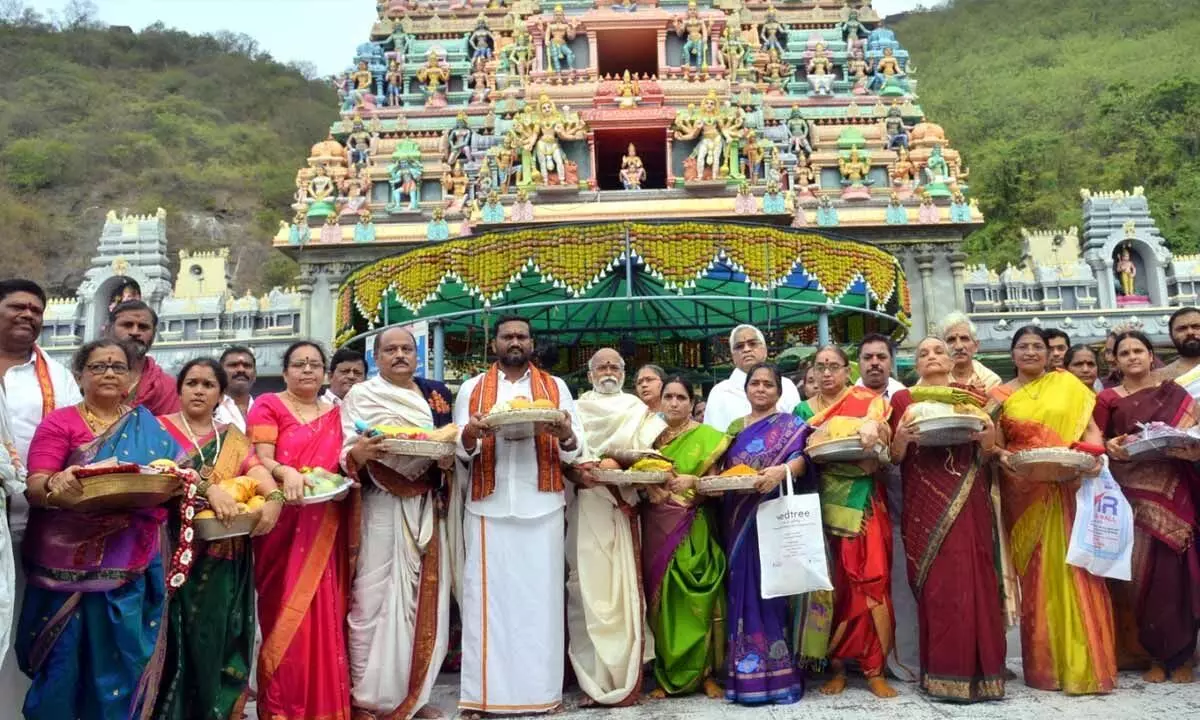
759 666
91 634
1164 594
303 568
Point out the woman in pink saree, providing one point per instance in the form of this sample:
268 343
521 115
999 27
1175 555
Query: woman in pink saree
303 569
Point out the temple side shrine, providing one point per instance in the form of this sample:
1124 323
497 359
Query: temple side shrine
630 171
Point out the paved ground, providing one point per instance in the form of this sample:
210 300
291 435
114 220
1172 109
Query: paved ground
1133 700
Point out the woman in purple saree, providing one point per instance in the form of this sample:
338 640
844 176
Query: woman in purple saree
759 666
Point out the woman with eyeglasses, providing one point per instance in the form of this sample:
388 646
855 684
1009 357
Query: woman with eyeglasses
302 569
1067 634
854 510
1163 600
949 530
97 593
212 617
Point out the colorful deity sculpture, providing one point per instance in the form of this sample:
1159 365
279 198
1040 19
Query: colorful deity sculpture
492 211
299 233
744 202
633 172
404 177
517 57
855 167
800 133
960 210
358 144
1125 269
718 129
559 32
928 213
434 75
629 91
752 154
937 173
774 201
438 229
852 30
354 189
820 72
537 133
895 130
776 73
455 184
361 80
696 30
456 142
888 74
522 208
903 173
480 41
364 229
503 163
735 51
482 82
321 193
806 180
772 35
896 213
395 84
858 72
827 214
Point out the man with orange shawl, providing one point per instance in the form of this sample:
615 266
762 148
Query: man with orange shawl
513 526
854 509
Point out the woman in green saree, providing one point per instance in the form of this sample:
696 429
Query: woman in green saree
211 619
682 559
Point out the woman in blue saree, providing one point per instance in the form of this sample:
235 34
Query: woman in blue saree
92 625
759 666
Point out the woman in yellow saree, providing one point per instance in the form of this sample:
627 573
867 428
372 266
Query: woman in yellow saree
1067 634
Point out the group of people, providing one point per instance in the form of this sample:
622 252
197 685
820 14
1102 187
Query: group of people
544 572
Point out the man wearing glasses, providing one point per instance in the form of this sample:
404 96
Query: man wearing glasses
134 322
727 401
34 385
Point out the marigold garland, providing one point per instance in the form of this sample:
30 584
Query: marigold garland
576 257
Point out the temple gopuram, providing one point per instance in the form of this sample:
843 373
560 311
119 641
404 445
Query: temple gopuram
630 173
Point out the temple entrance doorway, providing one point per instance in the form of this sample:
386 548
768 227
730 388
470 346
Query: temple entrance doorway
611 146
634 50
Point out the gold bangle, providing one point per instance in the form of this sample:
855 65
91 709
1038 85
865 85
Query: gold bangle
276 495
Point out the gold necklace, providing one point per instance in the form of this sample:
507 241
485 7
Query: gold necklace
292 401
670 433
206 467
97 424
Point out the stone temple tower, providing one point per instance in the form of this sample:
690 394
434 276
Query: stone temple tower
132 247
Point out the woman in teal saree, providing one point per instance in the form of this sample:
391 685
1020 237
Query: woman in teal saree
682 560
91 629
210 640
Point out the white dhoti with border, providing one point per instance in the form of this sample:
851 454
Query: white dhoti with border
512 614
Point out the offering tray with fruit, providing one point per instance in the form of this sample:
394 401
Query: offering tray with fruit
646 471
944 416
325 487
434 443
740 478
848 449
627 458
110 486
244 491
522 411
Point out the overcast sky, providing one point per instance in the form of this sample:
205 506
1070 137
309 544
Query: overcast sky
323 32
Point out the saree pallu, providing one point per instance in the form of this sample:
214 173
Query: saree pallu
1163 600
948 529
210 636
855 621
91 634
759 666
684 572
1067 633
302 571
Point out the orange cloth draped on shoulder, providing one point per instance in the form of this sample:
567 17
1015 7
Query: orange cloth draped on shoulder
302 571
483 398
1067 634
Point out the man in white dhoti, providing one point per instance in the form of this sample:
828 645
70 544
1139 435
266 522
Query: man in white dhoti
400 600
606 609
512 593
727 401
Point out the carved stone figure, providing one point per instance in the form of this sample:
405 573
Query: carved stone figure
800 133
820 72
629 92
696 30
633 172
480 41
772 35
735 51
716 128
895 129
1126 271
456 142
559 31
537 133
855 167
435 75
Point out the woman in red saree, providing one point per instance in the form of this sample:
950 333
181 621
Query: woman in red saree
1164 596
303 569
949 531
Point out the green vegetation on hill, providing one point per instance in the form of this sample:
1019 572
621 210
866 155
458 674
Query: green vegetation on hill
94 118
1044 98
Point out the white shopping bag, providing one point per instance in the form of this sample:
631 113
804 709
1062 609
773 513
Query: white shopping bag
791 544
1102 537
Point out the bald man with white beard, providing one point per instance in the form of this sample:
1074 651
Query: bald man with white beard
606 611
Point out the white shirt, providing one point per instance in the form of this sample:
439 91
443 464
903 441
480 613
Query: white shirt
517 494
727 401
329 397
228 412
894 386
25 414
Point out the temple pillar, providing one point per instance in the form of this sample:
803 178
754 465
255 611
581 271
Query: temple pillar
925 270
439 352
670 161
823 327
958 264
591 141
661 39
1102 269
593 53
